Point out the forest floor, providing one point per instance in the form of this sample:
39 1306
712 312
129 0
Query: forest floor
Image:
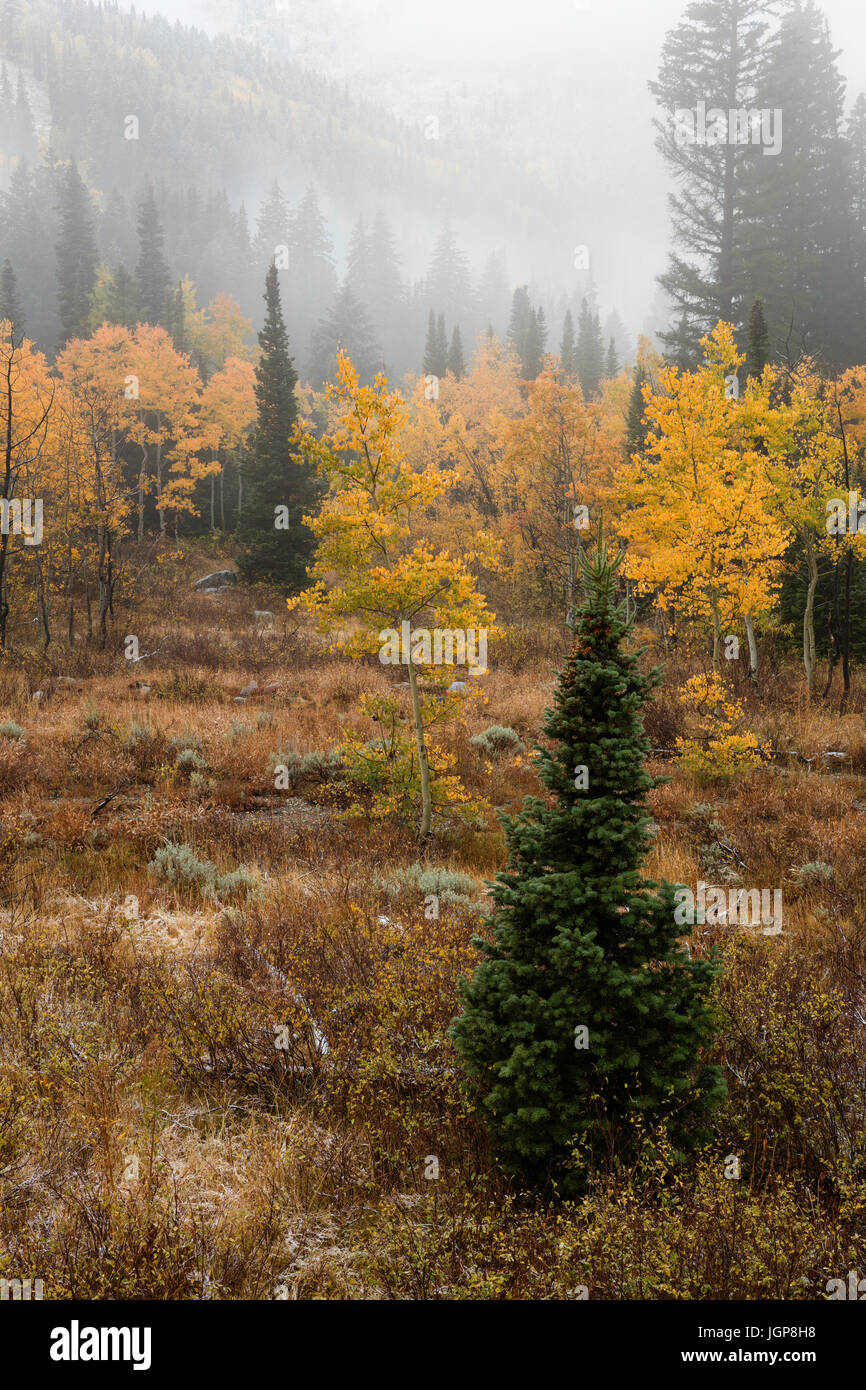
229 1078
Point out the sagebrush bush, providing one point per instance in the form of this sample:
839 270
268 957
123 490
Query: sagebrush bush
496 740
180 866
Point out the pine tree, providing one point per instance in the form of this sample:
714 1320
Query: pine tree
152 274
10 304
456 361
519 323
177 320
800 238
611 361
76 257
431 348
530 362
567 346
272 228
636 428
758 346
585 1018
347 326
448 280
123 297
272 475
713 56
589 353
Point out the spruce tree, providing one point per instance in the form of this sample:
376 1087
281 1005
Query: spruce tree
152 273
347 326
518 326
123 298
456 360
431 348
589 353
273 477
636 427
586 1018
758 344
567 346
611 361
10 304
76 257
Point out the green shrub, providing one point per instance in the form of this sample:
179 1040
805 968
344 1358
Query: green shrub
11 730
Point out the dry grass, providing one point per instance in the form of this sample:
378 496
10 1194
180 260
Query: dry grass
156 1142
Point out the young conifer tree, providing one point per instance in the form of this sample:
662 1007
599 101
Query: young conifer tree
586 1014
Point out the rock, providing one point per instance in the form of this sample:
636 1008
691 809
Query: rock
241 700
38 695
220 579
263 618
457 688
250 689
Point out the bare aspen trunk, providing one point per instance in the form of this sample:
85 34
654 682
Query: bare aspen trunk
423 763
753 648
809 621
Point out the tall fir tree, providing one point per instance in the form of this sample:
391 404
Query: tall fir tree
10 304
636 426
611 361
758 341
277 546
456 364
567 345
152 275
589 352
77 256
586 1019
432 363
799 237
519 322
710 61
348 326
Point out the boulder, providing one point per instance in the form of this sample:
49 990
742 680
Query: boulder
220 579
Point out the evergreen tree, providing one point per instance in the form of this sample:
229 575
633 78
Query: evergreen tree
441 344
585 1018
530 362
177 320
456 362
77 256
567 345
272 228
758 345
123 297
10 304
347 326
272 475
493 295
636 428
611 361
312 285
448 280
799 236
152 274
432 363
589 353
713 56
519 323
